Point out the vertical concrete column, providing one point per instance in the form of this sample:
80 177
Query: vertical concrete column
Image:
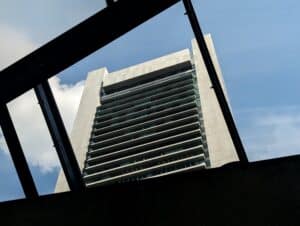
83 123
220 146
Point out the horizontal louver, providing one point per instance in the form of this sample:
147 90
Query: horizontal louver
147 130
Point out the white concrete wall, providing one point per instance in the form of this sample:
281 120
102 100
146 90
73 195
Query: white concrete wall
220 146
83 123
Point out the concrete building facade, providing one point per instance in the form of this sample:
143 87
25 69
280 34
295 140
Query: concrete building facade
152 119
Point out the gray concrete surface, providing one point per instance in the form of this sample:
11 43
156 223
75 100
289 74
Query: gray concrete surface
220 146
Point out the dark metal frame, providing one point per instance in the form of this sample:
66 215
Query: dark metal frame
17 153
34 70
216 85
59 136
109 2
75 44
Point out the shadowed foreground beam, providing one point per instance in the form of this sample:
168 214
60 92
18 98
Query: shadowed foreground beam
77 43
265 193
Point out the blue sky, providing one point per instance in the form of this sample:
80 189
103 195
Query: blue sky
256 43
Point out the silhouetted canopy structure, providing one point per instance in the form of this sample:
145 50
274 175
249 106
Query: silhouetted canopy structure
241 193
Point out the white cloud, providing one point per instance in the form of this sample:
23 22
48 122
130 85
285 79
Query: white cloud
13 45
31 127
25 111
271 133
68 97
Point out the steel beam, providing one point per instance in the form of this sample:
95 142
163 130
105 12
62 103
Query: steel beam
216 83
110 2
76 43
59 136
17 153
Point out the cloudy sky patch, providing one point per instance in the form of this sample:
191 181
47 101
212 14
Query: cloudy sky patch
270 132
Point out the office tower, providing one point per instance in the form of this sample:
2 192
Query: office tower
153 119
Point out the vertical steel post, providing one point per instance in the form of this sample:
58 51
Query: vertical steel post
110 2
215 82
59 136
17 153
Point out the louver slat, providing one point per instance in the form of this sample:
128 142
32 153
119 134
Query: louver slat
147 130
